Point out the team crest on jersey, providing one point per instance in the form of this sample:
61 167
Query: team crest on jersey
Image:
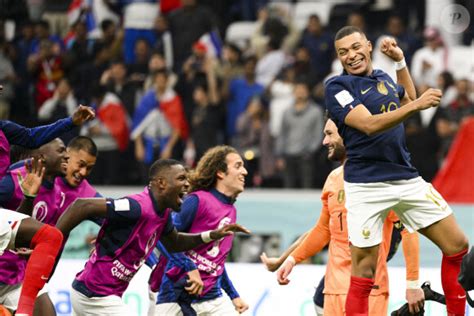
340 196
40 211
381 88
366 233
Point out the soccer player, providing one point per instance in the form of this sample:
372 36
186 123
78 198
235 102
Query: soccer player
18 230
217 181
369 108
132 227
332 228
42 206
14 134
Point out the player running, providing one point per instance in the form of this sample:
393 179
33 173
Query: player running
215 184
132 227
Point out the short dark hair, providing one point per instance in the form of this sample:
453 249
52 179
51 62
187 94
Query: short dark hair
160 166
83 143
347 30
105 24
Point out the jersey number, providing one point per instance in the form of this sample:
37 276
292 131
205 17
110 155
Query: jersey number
340 220
392 106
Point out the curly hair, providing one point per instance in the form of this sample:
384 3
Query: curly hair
204 177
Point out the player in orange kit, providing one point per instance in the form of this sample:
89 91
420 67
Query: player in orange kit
332 228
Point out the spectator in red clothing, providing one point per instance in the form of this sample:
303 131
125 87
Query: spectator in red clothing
47 69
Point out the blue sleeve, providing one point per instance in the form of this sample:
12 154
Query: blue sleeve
400 91
123 210
169 227
36 136
7 188
185 217
340 100
177 259
227 286
152 260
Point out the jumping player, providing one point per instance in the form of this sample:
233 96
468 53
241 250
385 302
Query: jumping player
369 109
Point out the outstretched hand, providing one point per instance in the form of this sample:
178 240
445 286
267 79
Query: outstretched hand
82 115
31 184
272 264
390 48
228 230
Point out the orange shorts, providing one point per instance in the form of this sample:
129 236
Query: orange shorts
334 305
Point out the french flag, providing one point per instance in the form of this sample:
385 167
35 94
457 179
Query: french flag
82 9
213 43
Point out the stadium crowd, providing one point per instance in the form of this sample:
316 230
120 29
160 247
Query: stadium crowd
166 80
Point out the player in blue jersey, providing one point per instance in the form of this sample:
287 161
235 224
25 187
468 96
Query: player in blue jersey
369 109
14 134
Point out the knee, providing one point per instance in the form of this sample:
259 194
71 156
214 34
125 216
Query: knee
365 267
460 245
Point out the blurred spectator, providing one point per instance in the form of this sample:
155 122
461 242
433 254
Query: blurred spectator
300 137
230 64
7 80
80 49
445 83
87 75
430 60
116 81
274 25
110 38
110 132
320 47
159 125
304 70
281 98
239 93
412 13
42 32
164 42
255 144
206 122
406 40
46 69
461 108
138 22
269 66
62 104
187 24
138 69
357 19
156 63
55 12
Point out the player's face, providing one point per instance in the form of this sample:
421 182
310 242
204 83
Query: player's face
354 53
233 180
55 157
176 186
79 166
333 141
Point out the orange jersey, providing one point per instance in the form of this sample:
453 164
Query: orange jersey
332 228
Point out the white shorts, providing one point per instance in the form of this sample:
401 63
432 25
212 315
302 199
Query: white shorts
9 296
111 305
415 201
9 224
221 306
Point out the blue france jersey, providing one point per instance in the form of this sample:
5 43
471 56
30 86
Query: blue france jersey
376 158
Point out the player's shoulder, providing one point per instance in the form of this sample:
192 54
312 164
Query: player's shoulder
335 176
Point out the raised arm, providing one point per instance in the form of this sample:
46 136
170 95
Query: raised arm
31 185
390 48
80 210
38 136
